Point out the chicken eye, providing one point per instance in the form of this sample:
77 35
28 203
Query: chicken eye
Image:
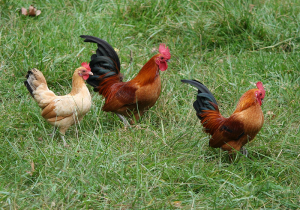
161 58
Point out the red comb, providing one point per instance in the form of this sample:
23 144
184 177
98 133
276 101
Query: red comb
260 86
86 65
165 51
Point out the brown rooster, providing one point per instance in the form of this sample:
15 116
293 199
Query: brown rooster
241 127
126 98
61 111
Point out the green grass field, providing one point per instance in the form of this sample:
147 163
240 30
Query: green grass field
165 163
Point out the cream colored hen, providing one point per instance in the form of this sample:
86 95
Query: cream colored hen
61 111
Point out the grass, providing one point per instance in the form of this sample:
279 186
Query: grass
166 162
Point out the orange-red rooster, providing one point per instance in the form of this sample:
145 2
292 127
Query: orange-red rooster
61 111
241 127
125 98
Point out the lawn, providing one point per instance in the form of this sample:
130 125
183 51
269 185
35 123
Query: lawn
164 162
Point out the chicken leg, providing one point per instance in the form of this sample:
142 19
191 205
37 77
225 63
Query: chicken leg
126 123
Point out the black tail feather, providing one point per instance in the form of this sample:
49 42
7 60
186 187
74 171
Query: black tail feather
29 88
104 49
105 63
205 98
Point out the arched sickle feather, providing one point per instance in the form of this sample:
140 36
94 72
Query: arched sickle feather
104 49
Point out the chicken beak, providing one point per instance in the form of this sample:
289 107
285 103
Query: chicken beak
91 73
